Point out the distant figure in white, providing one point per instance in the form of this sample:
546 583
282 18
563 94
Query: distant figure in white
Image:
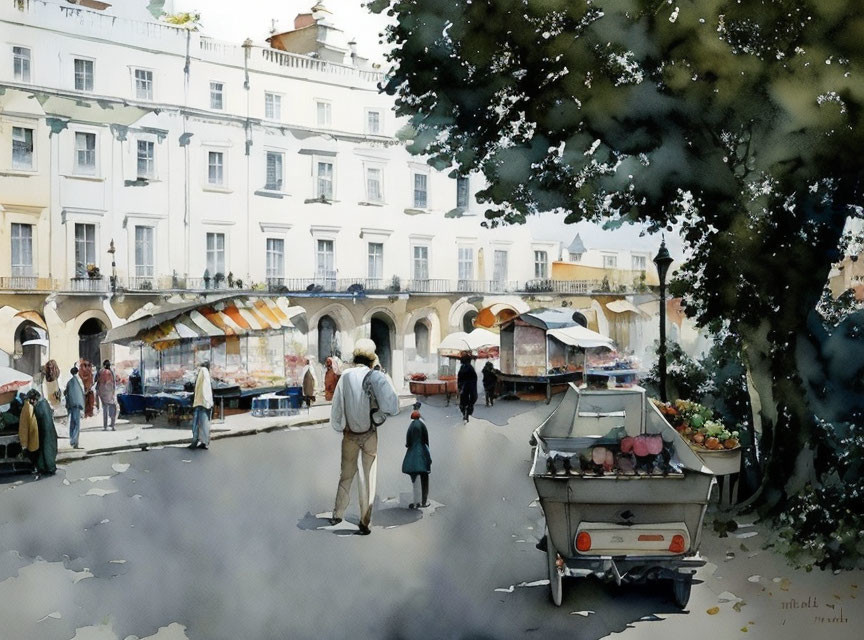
202 403
362 400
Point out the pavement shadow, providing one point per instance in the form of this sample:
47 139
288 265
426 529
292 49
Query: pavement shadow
395 516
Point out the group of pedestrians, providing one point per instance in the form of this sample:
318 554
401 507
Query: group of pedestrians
76 396
466 384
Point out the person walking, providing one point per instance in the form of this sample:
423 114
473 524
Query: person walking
202 403
28 431
418 461
46 455
74 393
360 401
466 383
106 390
489 382
309 383
331 377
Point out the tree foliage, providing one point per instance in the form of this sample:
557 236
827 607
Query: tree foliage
740 122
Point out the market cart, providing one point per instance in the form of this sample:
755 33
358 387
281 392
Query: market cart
618 510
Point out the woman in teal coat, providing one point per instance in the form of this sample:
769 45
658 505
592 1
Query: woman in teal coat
46 456
418 461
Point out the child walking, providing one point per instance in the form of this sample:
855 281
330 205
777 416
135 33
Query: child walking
418 461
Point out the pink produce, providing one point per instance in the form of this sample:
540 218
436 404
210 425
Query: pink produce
655 444
598 455
609 462
627 444
640 446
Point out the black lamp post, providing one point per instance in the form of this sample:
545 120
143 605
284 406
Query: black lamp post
663 260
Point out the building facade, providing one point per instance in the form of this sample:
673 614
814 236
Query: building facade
141 160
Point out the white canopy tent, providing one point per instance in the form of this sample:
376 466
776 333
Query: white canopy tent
477 339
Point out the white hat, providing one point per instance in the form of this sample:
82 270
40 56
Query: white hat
366 348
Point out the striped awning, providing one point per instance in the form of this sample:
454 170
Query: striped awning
230 316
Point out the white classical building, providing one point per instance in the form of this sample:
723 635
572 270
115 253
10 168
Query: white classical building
272 167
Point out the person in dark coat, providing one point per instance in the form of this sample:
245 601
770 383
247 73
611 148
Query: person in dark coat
46 455
489 382
418 461
466 382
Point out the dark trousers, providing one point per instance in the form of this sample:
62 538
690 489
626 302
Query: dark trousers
424 485
466 401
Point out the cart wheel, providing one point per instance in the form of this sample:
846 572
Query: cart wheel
681 591
555 581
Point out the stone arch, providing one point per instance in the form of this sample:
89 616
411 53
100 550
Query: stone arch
458 311
27 359
430 314
382 331
345 327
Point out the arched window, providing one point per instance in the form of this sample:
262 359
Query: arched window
421 339
327 343
468 321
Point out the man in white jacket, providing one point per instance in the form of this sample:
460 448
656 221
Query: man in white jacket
352 414
202 403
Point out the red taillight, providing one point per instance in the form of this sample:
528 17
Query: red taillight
650 538
583 541
677 544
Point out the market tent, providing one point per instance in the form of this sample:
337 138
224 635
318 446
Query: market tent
579 336
165 325
12 379
623 306
494 315
477 339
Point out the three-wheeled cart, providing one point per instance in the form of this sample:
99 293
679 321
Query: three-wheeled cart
623 526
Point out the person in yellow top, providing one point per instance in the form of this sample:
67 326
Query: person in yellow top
28 431
202 403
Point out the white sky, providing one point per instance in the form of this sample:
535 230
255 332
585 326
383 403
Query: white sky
234 21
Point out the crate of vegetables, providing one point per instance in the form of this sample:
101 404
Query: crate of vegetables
718 446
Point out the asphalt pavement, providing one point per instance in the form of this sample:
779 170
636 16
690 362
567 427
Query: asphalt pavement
234 543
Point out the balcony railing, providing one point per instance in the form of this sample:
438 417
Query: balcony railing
89 285
429 286
27 283
543 285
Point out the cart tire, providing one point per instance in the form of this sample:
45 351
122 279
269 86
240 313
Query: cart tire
681 591
556 587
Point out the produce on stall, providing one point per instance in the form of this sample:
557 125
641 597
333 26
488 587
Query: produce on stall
697 424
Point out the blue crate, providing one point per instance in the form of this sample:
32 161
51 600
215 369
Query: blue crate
270 405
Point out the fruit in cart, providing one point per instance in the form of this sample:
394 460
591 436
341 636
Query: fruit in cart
598 455
627 444
609 461
655 444
730 443
698 438
712 443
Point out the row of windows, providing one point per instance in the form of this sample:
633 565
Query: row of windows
215 243
274 179
143 89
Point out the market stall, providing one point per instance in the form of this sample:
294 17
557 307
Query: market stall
13 384
250 342
547 348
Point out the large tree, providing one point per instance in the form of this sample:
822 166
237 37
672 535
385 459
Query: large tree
737 122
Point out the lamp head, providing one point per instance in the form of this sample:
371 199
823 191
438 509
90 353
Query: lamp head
663 260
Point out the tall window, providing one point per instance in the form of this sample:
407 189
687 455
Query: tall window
216 253
325 266
461 193
83 75
466 263
374 193
21 64
274 170
85 248
144 252
275 258
639 263
146 159
376 260
421 339
85 153
541 264
421 262
22 148
22 250
324 180
373 121
420 199
324 113
272 106
216 167
610 262
143 84
216 96
499 270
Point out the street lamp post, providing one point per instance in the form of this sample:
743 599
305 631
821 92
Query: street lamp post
112 251
662 260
